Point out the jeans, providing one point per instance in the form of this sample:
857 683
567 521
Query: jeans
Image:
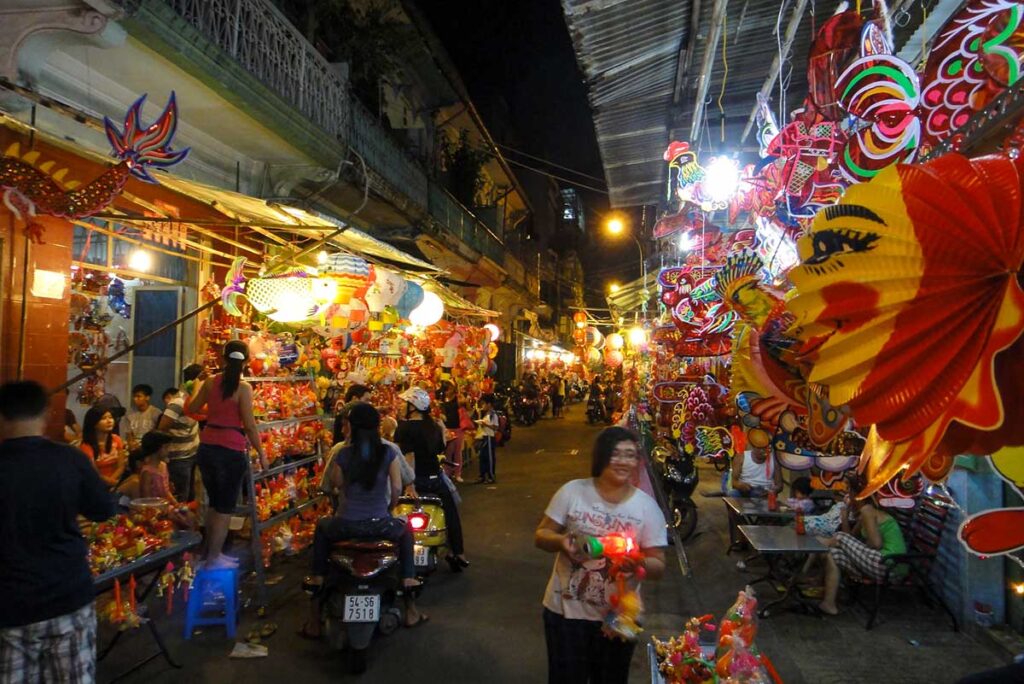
181 472
436 487
485 452
579 653
333 529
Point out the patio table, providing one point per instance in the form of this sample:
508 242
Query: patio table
752 511
785 551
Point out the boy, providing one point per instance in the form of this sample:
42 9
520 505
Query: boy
47 618
486 424
141 418
184 432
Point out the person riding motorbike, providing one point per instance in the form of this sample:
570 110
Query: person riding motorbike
367 473
420 435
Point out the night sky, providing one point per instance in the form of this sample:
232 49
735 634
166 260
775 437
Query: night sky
517 61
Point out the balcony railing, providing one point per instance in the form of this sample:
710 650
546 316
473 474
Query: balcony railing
265 43
468 228
385 156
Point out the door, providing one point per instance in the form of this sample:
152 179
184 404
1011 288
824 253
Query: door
156 362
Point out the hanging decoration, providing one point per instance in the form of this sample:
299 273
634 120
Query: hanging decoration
28 190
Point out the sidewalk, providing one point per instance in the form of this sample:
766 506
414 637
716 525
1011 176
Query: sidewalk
912 643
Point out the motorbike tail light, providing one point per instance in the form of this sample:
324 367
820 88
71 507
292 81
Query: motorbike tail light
418 521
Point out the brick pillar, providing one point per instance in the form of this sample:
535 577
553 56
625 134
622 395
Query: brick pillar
44 344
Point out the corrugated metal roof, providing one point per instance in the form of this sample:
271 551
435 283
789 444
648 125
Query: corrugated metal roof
629 52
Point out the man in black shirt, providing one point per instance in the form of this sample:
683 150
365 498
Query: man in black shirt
47 618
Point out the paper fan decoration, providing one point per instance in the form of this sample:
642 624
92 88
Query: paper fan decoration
882 91
975 56
906 293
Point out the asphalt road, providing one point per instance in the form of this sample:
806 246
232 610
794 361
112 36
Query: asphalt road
485 624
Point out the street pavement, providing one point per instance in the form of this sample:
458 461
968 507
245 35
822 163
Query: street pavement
485 623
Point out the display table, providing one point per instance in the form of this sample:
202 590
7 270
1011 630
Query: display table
153 563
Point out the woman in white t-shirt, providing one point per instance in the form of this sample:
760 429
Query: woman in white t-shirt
576 599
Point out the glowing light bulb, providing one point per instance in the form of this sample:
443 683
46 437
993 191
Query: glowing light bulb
140 260
721 179
321 257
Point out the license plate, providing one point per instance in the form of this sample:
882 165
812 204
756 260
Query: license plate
421 556
362 608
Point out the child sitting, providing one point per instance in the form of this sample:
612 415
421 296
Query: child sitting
154 480
800 495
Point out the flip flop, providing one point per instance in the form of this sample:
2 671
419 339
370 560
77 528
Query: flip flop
422 621
268 629
254 636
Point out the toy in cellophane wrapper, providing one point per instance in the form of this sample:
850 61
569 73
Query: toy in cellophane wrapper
626 570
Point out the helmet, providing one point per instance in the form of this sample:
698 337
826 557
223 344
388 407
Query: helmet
416 396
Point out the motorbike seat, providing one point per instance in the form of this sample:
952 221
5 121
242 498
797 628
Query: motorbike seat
365 545
423 499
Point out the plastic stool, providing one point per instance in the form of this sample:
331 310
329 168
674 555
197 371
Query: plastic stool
213 591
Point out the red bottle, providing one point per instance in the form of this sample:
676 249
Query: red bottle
773 501
800 529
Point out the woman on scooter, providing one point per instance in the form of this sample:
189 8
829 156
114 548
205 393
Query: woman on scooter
576 601
364 472
422 437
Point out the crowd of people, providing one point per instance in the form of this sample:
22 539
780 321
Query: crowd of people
200 445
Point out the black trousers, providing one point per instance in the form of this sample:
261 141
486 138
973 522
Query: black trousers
437 487
333 529
579 653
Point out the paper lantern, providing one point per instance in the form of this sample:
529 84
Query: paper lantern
593 356
494 331
410 299
579 317
388 288
615 341
492 350
594 338
613 359
429 311
492 368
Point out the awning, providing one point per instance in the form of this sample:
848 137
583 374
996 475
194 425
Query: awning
257 211
458 305
631 296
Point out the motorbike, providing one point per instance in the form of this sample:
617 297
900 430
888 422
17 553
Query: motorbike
525 411
361 596
429 533
680 476
596 411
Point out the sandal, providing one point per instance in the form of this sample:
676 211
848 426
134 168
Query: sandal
268 629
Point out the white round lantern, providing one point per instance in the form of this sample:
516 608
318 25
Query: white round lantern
429 311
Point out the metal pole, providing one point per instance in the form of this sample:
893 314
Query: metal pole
643 276
145 338
773 72
704 80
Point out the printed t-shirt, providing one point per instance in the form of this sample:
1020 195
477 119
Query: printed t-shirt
579 591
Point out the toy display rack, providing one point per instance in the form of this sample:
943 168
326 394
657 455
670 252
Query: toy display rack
248 509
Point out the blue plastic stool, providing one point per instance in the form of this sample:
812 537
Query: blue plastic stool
216 592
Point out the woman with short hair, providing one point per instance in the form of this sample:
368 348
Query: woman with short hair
577 597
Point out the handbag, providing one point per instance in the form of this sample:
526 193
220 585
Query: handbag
465 422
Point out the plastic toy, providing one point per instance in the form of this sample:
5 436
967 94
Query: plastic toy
625 563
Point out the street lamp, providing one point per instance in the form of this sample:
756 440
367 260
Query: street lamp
615 226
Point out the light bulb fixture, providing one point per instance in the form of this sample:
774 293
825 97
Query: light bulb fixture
321 257
1018 588
686 242
721 180
430 310
615 226
493 330
140 261
614 287
637 336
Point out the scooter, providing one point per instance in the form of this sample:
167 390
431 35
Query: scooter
429 533
361 596
526 411
680 476
596 412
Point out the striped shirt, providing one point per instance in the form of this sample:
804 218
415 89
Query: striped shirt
184 431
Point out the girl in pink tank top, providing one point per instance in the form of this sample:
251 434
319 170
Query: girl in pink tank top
222 457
